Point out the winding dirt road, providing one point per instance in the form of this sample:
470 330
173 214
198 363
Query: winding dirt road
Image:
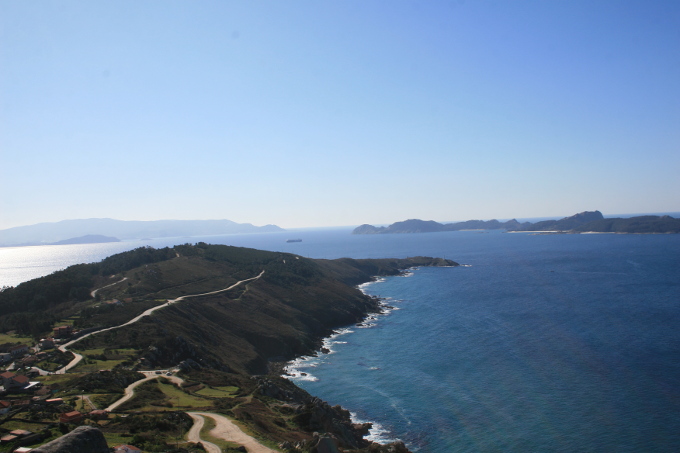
194 434
227 430
224 429
130 389
94 293
78 357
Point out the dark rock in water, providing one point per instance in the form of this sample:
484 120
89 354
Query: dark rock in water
83 439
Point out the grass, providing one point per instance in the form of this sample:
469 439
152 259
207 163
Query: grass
55 378
7 338
88 365
182 400
218 392
28 426
102 400
114 439
154 396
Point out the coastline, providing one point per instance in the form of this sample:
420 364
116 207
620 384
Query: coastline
292 370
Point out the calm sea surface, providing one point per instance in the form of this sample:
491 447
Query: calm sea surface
543 343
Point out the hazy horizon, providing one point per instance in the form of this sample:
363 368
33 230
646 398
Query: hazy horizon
312 114
502 219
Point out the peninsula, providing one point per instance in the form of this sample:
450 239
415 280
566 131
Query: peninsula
209 326
584 222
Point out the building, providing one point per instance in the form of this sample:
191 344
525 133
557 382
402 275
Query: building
5 357
4 407
98 414
46 343
62 331
13 381
71 417
19 350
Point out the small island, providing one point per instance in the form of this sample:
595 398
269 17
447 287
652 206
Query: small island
87 239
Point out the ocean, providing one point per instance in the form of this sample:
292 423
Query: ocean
538 343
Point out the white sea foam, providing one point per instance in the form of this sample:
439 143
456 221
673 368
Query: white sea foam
297 369
377 433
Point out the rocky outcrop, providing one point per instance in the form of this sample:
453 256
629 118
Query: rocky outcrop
83 439
315 415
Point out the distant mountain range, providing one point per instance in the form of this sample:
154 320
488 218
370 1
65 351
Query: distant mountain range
584 222
107 230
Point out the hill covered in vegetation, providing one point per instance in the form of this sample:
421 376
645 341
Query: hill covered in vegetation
284 307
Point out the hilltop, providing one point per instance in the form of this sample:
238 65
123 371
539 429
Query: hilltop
235 339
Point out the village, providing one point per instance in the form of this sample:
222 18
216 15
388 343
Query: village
24 397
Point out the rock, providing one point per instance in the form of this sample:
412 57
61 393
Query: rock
83 439
326 445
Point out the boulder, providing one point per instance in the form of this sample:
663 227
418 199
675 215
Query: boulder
83 439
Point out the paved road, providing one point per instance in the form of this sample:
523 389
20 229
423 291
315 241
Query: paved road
79 357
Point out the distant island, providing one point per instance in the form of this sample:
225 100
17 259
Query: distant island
584 222
87 239
70 230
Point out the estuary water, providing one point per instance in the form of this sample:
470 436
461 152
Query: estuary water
539 343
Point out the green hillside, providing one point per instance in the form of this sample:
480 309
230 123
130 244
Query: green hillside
227 340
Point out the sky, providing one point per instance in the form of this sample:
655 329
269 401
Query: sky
328 113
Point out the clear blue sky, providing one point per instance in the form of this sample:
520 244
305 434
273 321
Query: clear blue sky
320 113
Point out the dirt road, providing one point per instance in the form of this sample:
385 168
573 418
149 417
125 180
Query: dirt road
194 434
93 293
130 389
79 357
227 430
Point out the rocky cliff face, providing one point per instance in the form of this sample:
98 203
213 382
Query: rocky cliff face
315 415
83 439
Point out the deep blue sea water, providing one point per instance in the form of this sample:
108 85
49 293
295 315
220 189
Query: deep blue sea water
543 343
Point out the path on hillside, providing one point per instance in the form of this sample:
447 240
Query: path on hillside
94 293
130 389
227 430
224 428
78 357
194 434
